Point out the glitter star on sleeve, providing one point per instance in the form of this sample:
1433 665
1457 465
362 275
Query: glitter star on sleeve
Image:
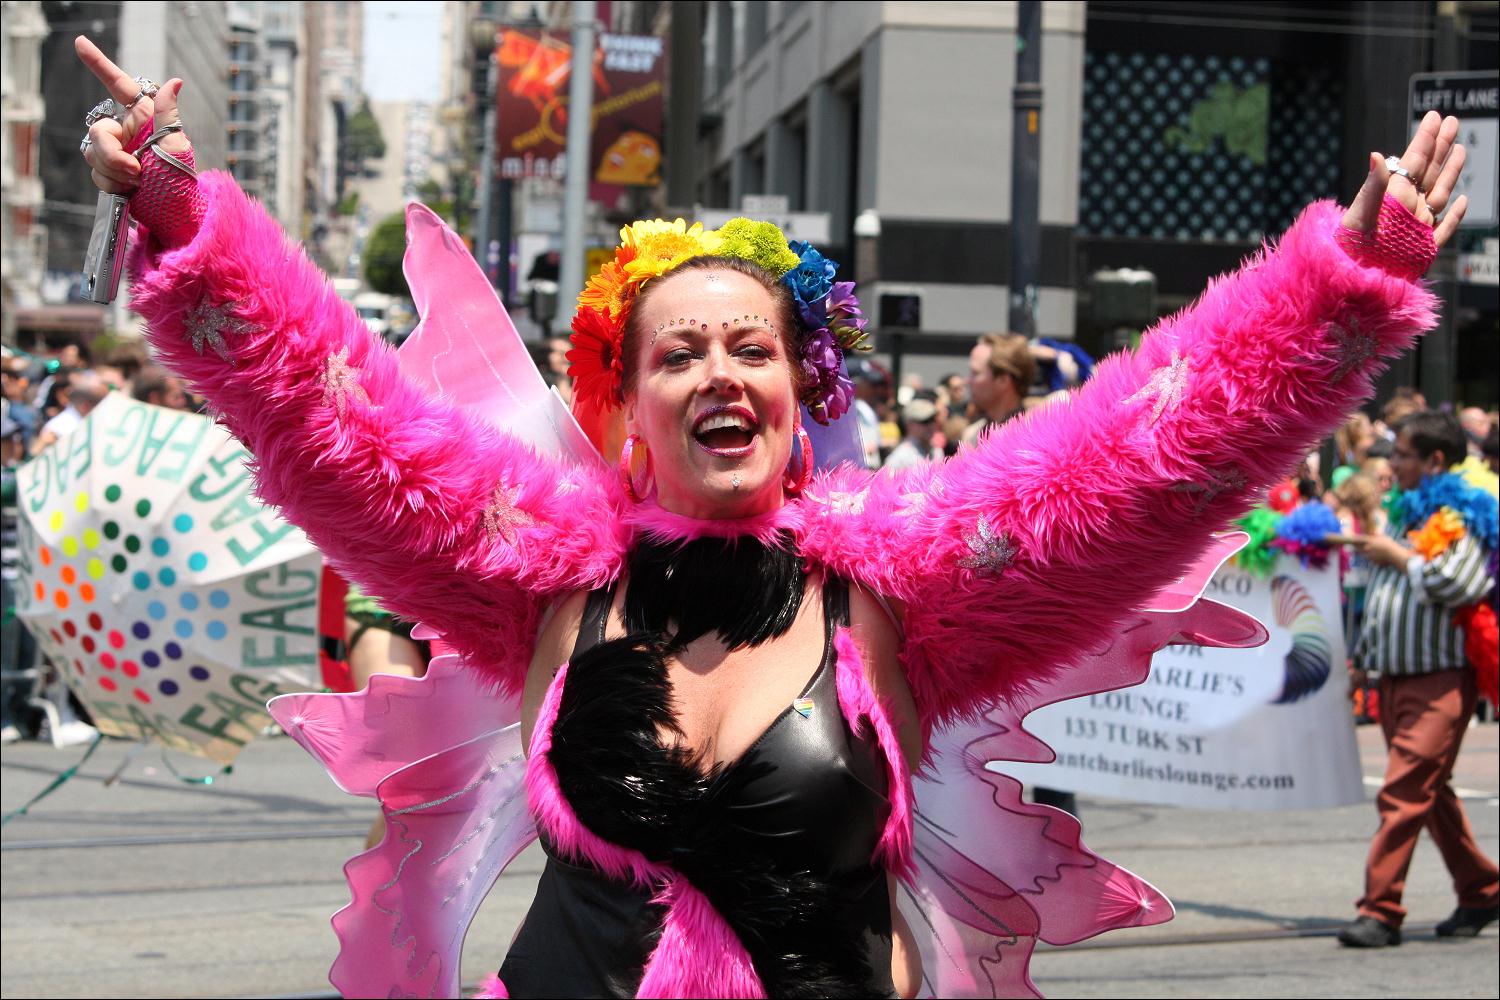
1216 483
990 552
1352 347
502 518
207 324
1167 386
340 382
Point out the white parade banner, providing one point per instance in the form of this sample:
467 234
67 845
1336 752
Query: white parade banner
1263 728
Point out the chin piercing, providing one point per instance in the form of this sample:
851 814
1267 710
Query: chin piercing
735 481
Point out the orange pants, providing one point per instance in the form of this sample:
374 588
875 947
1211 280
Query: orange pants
1424 719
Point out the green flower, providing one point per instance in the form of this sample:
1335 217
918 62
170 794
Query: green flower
1257 557
761 242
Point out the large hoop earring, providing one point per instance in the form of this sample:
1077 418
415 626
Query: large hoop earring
627 451
796 482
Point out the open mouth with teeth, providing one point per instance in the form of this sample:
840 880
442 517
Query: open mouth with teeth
725 430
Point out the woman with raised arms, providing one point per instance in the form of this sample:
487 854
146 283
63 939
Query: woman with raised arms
728 667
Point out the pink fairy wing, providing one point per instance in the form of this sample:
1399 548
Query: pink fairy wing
1181 594
466 348
362 737
454 821
1020 872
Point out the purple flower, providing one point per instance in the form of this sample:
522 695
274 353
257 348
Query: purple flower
845 318
828 392
813 314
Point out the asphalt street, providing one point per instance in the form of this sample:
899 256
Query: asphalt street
155 888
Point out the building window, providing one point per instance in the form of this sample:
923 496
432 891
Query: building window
1204 147
756 16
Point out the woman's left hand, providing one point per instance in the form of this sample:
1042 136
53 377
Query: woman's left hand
1434 161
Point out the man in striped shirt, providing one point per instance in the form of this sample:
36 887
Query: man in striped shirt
1427 694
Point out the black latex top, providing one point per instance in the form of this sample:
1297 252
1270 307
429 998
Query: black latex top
780 840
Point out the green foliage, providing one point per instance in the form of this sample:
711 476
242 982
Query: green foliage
383 252
349 205
363 139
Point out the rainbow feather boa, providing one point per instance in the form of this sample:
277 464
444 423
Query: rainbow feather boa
1444 509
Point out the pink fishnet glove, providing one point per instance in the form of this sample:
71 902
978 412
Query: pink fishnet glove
1401 245
168 202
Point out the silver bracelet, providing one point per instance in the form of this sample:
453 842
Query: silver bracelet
174 161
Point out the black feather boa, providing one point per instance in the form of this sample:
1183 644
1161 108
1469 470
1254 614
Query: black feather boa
745 592
631 789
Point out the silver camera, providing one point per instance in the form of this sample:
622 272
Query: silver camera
106 257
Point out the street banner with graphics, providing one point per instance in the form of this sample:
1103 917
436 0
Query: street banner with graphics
172 600
532 106
1263 728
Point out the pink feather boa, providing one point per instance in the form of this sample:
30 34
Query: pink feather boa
395 488
857 700
555 816
1109 493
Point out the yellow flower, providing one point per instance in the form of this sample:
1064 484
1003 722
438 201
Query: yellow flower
659 246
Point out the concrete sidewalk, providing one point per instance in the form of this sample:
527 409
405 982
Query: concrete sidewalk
156 888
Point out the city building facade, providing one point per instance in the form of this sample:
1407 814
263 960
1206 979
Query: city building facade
23 237
247 140
1175 138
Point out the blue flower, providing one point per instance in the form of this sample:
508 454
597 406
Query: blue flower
812 279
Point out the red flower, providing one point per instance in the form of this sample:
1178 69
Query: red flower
594 362
1283 497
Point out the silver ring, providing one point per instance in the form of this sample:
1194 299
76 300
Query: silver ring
1393 164
148 89
83 147
106 108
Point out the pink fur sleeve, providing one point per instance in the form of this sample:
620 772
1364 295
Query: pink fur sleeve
1019 556
448 521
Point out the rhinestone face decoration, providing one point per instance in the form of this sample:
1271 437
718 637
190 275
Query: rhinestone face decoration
340 382
1167 386
207 324
990 552
502 518
685 322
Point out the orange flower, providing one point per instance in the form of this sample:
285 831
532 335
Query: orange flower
1442 529
611 290
594 362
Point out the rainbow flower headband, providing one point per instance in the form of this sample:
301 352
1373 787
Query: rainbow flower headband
828 310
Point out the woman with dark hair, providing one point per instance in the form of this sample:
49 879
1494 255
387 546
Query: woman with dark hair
728 667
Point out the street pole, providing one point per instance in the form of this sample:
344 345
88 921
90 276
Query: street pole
575 193
484 225
1025 168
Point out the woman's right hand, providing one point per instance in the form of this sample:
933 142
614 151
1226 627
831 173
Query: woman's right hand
110 155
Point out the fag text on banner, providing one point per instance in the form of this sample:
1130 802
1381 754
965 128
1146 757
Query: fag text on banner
1263 728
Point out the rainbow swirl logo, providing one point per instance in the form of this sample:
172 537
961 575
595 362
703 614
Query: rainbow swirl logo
1310 660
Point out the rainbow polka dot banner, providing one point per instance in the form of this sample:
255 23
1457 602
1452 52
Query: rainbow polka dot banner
174 602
